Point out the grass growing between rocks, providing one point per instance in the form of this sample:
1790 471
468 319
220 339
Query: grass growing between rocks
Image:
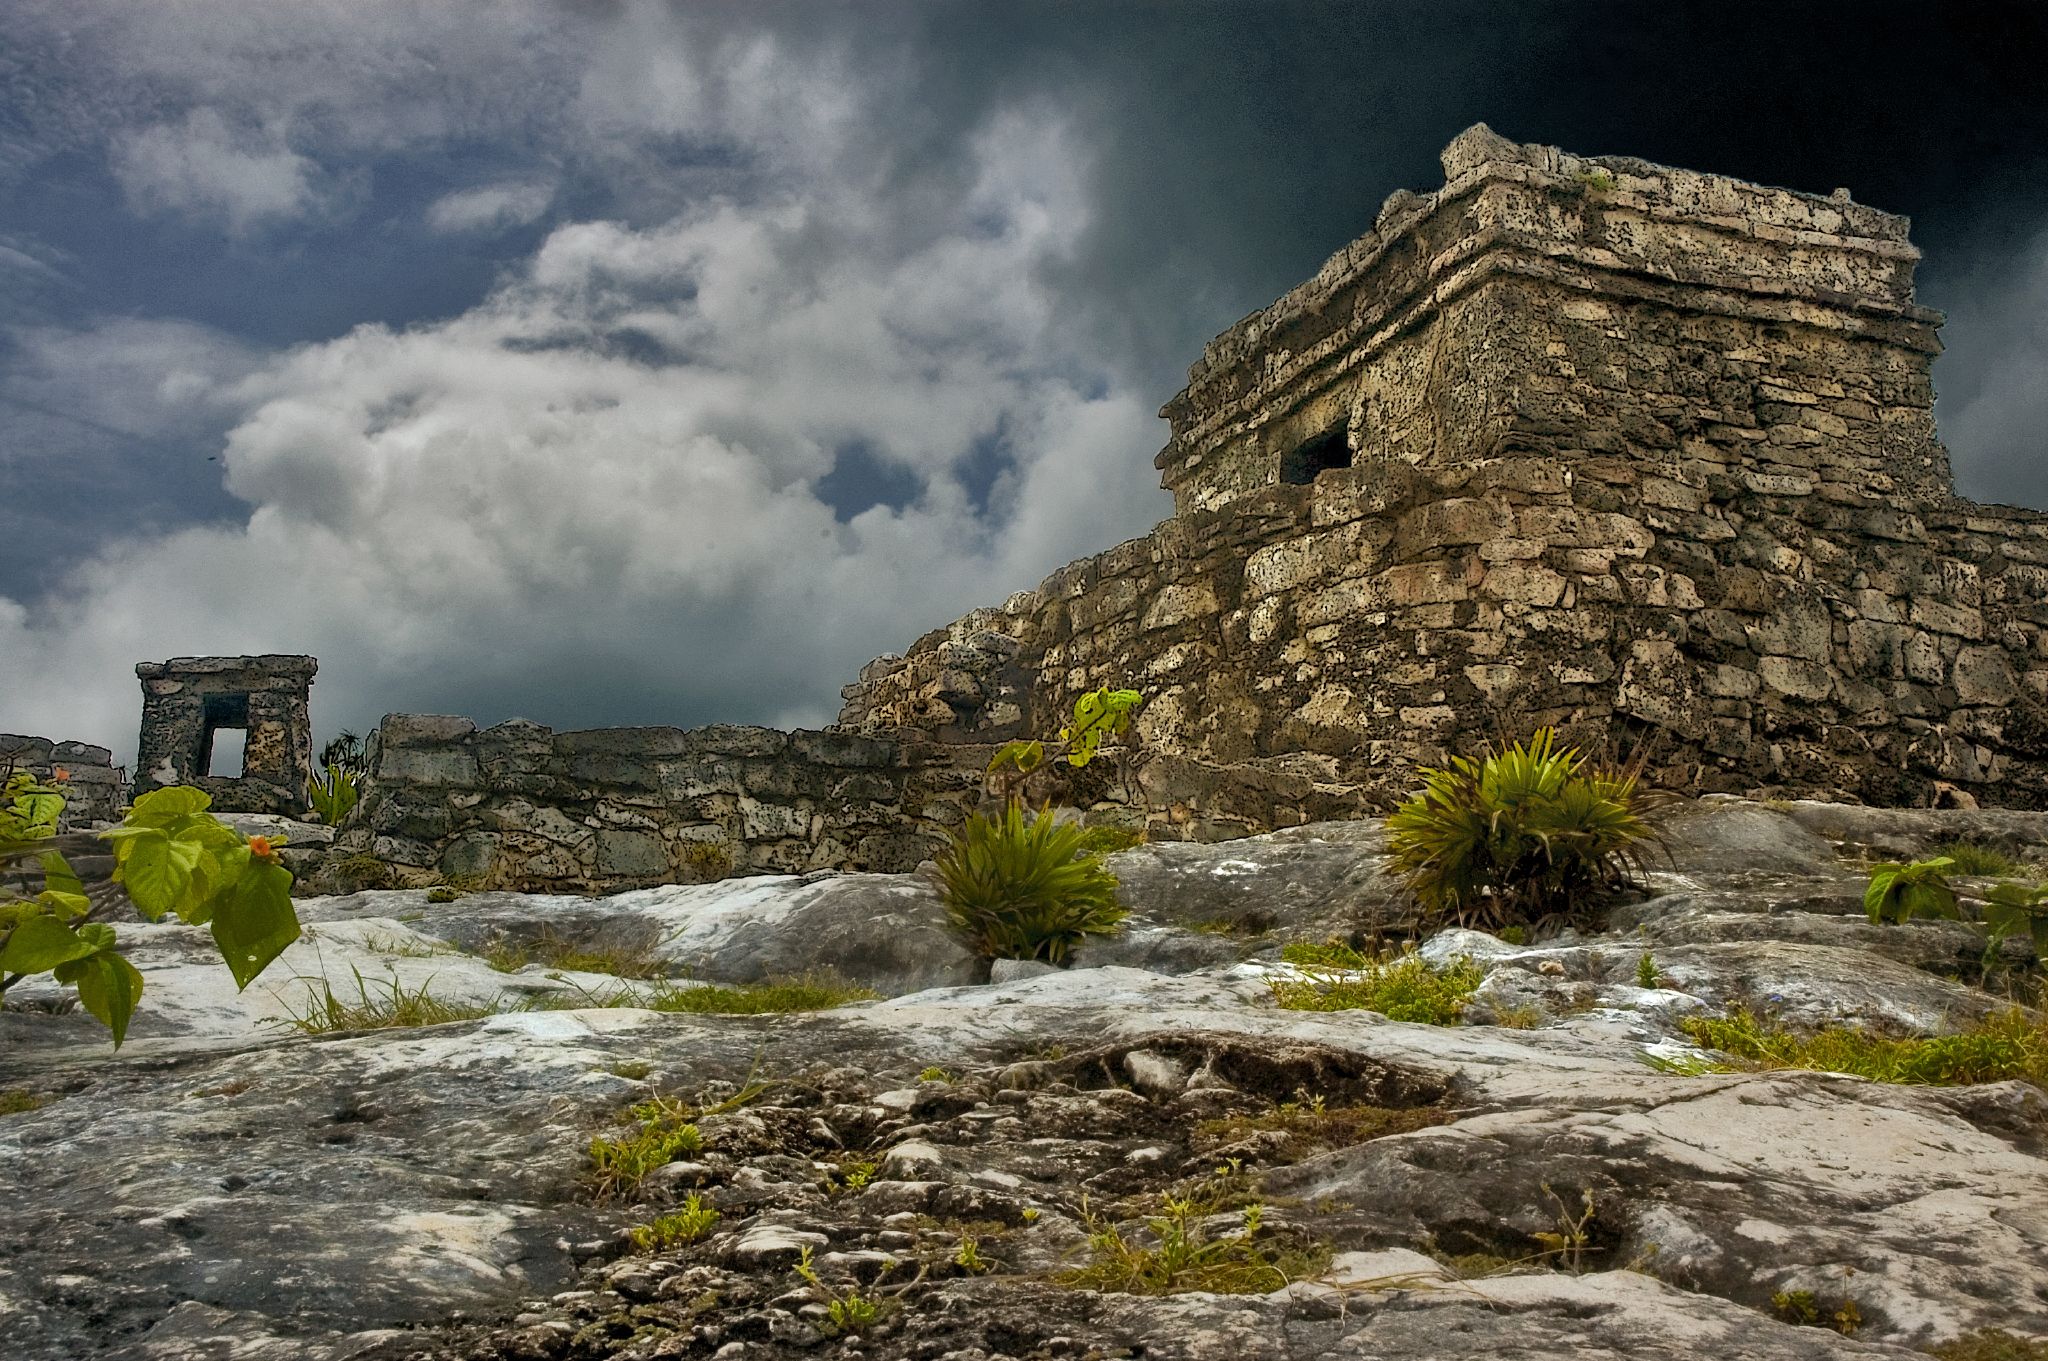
1309 1123
663 1131
1175 1253
1991 1344
1975 858
15 1101
1401 988
2008 1044
677 1228
553 952
386 1005
811 992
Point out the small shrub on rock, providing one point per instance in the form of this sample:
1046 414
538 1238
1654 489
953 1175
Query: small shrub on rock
1534 834
1026 887
171 858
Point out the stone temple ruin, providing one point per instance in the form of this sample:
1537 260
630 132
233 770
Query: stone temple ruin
188 701
1639 452
1643 453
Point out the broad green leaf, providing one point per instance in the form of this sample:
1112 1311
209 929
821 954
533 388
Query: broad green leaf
64 906
40 812
58 876
99 933
109 987
254 921
154 877
161 807
217 871
41 943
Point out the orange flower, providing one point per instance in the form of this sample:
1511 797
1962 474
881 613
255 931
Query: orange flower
260 847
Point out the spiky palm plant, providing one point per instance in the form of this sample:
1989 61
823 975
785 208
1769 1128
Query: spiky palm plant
1026 887
1526 835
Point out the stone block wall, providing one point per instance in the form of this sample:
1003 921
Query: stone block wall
521 805
94 787
1776 641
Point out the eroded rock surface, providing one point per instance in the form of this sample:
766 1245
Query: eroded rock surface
225 1186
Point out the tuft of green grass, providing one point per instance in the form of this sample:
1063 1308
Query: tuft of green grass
1243 926
1105 839
630 1069
851 1174
1404 988
2008 1044
677 1228
1525 835
663 1132
1646 971
848 1311
19 1101
812 992
935 1074
1991 1344
968 1256
1175 1253
553 952
1311 1124
405 949
1975 858
441 893
385 1005
1804 1309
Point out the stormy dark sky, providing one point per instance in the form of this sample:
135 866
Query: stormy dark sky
629 362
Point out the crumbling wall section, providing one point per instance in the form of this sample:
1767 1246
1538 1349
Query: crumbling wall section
94 787
520 805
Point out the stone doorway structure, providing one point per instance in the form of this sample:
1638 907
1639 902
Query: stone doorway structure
188 701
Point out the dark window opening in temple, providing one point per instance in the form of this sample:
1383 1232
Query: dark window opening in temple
1326 451
224 740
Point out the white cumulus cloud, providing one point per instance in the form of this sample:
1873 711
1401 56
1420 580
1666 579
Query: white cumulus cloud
593 496
204 167
490 207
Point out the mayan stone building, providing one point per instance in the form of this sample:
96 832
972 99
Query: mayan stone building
1645 453
188 701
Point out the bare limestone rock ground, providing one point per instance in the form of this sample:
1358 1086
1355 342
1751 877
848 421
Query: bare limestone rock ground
225 1187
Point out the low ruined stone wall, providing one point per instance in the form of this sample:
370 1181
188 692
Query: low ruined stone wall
1779 634
94 787
519 805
